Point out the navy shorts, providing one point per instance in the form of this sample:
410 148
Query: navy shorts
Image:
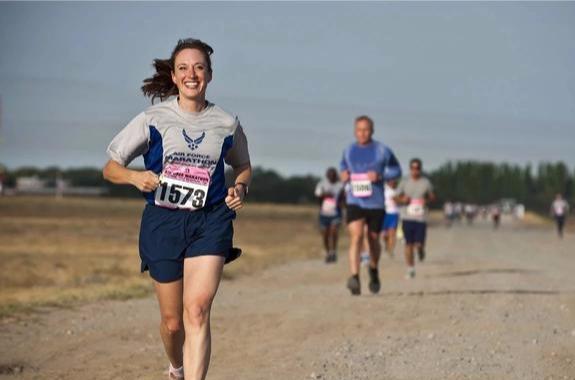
390 221
328 221
414 232
168 236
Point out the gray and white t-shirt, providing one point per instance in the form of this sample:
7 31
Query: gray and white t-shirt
330 193
165 134
416 190
559 207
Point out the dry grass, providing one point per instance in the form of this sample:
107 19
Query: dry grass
61 252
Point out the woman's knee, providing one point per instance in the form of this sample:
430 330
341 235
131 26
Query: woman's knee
172 324
197 312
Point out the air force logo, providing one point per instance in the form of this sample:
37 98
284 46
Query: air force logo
193 143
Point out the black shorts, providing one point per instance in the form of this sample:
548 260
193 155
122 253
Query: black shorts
373 217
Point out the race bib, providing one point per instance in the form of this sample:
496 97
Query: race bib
183 187
329 206
416 208
361 185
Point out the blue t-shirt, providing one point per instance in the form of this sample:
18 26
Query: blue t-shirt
360 159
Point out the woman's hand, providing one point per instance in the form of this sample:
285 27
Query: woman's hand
145 181
235 197
119 174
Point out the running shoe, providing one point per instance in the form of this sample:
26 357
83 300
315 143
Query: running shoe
374 284
353 285
364 258
175 373
410 273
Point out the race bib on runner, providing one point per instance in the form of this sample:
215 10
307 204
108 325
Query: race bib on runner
416 208
361 185
182 186
329 206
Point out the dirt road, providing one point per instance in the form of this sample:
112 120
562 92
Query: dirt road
486 305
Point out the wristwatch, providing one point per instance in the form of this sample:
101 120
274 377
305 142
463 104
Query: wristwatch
244 185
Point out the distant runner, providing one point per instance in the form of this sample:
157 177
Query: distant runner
331 196
496 215
448 213
415 192
391 219
365 165
470 212
559 210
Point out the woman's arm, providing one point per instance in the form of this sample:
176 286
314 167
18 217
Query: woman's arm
237 193
145 181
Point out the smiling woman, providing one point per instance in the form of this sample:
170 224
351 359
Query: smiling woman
187 226
164 83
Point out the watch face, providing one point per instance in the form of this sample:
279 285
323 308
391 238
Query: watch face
244 186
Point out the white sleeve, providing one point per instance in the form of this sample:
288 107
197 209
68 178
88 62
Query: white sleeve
131 142
318 190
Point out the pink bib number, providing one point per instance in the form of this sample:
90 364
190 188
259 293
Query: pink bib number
416 208
361 185
183 186
329 206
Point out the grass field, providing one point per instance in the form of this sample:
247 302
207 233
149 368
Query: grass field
59 252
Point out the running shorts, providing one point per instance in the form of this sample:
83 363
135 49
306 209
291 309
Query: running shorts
327 221
169 236
390 221
414 232
373 217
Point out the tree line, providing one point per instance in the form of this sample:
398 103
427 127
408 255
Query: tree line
465 181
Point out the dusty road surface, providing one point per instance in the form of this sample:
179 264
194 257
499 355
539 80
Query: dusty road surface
485 305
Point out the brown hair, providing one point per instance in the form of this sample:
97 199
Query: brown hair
416 161
160 85
365 118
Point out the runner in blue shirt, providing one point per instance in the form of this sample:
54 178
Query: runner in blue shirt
365 166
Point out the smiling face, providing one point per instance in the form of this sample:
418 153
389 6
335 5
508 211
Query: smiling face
191 74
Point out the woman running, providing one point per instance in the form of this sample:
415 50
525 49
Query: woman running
186 230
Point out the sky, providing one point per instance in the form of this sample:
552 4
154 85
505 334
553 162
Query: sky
443 81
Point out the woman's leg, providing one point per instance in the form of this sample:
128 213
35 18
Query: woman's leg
201 279
170 297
